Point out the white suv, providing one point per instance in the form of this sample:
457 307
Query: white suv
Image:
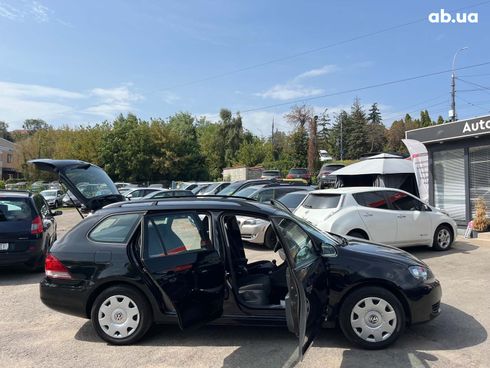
382 215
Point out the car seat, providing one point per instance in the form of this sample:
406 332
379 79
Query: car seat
254 289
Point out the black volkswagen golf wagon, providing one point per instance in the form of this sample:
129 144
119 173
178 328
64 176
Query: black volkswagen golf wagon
131 264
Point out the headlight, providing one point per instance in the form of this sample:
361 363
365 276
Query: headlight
419 272
250 222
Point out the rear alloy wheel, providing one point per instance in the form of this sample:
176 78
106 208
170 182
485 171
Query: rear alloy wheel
121 315
443 238
372 318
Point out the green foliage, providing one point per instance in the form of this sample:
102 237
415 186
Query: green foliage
33 125
2 184
4 132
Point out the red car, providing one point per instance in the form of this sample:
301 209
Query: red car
299 173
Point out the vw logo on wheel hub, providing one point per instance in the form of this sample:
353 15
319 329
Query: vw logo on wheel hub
373 319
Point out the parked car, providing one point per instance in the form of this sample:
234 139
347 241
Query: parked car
293 199
259 231
168 262
70 200
137 193
324 156
27 229
200 187
215 188
167 193
299 173
238 185
120 185
54 197
271 174
324 178
156 186
382 215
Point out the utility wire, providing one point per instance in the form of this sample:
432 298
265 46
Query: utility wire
313 50
474 84
302 100
474 105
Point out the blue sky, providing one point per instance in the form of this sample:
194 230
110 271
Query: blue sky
72 62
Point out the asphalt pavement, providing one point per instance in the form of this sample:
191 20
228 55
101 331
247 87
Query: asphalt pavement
34 336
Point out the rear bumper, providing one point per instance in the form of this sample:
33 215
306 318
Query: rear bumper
68 299
32 250
425 302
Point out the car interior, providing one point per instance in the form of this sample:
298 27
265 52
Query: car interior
259 284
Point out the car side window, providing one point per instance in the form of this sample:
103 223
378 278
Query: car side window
265 195
298 243
169 234
371 199
404 202
115 229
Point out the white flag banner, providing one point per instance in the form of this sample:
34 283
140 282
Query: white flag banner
420 160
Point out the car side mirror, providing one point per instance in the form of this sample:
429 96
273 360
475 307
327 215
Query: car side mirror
57 213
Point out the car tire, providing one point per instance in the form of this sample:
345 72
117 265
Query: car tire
270 238
443 238
121 315
358 234
372 318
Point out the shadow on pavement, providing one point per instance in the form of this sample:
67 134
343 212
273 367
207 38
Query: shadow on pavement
276 347
19 276
458 247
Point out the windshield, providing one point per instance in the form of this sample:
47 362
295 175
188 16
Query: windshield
48 193
298 171
270 173
91 181
230 189
247 192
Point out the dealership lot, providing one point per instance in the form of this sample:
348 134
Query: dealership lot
34 336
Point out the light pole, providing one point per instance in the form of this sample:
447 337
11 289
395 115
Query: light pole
452 112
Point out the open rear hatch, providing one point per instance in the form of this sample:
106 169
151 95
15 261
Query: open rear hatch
87 182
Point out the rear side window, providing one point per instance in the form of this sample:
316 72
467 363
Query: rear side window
169 234
404 202
15 209
371 199
321 201
115 229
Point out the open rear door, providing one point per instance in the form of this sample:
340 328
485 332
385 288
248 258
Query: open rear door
307 278
88 183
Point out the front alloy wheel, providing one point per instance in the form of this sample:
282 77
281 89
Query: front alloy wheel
121 315
372 318
443 238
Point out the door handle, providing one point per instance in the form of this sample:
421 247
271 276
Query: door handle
401 216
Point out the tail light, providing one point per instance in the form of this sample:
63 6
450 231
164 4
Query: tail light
55 269
37 226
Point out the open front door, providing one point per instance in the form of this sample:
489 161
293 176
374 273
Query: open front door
307 298
180 258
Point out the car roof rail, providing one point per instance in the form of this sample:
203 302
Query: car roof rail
154 202
15 191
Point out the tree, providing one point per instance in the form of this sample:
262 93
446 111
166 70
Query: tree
324 124
253 151
312 144
33 125
440 120
425 119
232 132
299 115
298 147
375 129
4 132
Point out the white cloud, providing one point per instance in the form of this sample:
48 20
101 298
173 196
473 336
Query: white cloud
8 89
289 91
295 89
169 97
113 101
9 12
40 12
313 73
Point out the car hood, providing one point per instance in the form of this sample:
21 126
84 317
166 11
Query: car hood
388 252
87 182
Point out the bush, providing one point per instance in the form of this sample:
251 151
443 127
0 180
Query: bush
2 184
480 222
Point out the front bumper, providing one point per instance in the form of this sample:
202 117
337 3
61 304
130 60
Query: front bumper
425 301
254 233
